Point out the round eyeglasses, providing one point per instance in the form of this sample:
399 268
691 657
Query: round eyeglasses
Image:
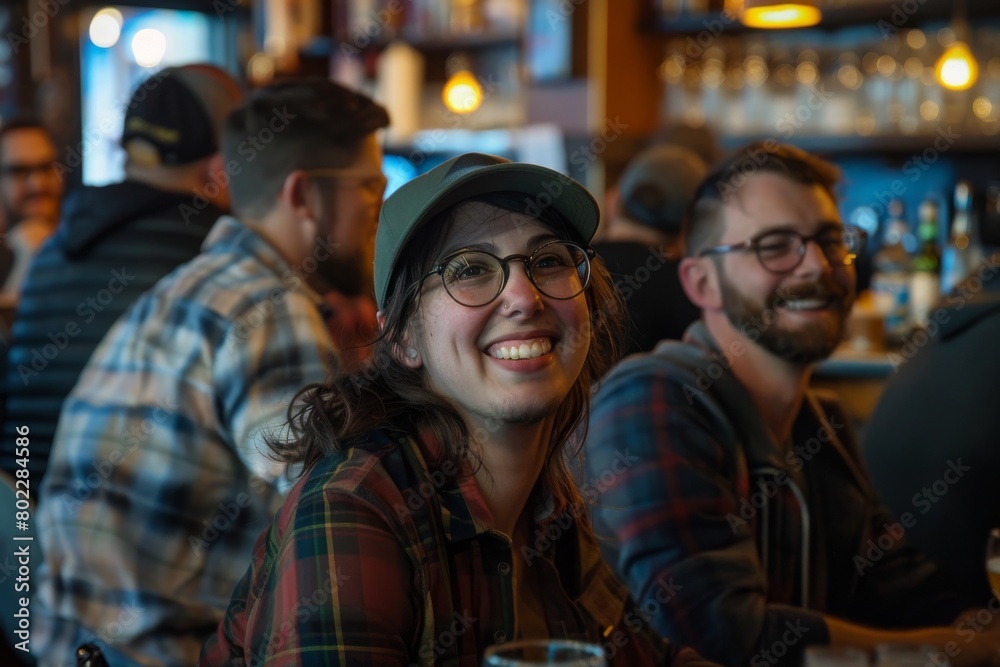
783 251
473 278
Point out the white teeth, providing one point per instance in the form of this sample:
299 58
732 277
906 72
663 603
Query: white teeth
805 304
535 348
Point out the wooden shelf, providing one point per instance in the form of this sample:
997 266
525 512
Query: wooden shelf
882 144
326 46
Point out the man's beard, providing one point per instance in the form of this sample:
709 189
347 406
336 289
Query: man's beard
808 342
347 276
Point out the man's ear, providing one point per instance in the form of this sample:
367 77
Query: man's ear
298 196
700 280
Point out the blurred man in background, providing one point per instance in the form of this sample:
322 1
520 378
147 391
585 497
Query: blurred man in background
642 243
159 482
31 190
115 242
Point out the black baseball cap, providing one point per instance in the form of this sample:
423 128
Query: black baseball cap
418 201
177 114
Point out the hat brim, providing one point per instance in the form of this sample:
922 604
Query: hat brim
543 189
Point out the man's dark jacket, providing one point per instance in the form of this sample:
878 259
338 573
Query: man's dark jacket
114 243
657 306
933 443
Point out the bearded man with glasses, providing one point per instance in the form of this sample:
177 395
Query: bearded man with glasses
735 498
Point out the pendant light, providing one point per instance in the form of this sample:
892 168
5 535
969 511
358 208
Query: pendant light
957 68
776 14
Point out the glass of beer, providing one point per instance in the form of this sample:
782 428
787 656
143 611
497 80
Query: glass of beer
537 653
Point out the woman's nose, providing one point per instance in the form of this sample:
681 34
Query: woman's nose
520 296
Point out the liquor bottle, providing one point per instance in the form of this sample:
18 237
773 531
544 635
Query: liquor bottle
925 281
963 251
891 277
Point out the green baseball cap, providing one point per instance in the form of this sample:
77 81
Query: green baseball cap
470 175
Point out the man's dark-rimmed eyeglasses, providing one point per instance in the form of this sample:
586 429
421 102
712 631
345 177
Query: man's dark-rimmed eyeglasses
369 181
782 251
473 278
22 172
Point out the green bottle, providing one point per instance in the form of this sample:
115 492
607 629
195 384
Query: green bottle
925 282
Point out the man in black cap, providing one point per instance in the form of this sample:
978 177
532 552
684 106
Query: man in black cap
641 245
114 243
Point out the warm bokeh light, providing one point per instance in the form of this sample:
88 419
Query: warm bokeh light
756 71
106 27
929 110
982 107
865 125
260 68
850 77
916 39
807 73
462 92
788 15
957 69
913 67
886 65
672 69
149 46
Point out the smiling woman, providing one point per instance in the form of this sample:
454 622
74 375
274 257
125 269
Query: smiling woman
431 475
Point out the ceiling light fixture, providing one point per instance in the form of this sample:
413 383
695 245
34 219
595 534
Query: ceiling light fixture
957 68
775 14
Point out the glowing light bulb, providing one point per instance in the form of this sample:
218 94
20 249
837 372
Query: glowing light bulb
462 92
148 47
106 28
788 15
957 68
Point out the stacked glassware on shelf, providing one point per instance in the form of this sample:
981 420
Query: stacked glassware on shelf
861 81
